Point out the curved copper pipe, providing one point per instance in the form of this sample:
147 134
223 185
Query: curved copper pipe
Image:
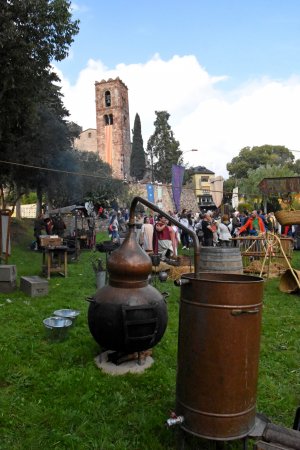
172 220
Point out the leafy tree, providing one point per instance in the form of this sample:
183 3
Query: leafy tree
137 159
32 34
99 184
296 166
163 149
252 158
228 187
74 131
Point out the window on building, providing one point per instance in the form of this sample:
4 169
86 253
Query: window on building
107 99
204 179
89 135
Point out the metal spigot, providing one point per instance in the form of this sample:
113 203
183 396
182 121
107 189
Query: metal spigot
174 420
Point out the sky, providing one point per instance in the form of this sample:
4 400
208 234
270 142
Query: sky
227 71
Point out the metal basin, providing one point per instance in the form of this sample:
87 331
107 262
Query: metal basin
67 314
57 328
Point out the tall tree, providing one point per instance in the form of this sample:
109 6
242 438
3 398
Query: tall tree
252 158
33 33
162 148
137 159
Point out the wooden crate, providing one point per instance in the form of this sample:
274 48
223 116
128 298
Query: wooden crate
50 241
34 286
8 272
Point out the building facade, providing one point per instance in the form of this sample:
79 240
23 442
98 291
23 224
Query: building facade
87 141
113 126
202 178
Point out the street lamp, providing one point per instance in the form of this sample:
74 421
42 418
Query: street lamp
183 153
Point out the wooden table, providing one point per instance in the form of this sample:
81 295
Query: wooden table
55 260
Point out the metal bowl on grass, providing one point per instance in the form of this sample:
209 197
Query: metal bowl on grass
57 328
67 314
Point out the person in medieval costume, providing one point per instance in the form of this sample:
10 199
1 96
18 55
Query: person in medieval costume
162 240
146 237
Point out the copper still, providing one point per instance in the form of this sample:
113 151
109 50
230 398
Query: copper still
128 315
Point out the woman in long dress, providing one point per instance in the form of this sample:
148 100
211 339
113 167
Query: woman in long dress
147 235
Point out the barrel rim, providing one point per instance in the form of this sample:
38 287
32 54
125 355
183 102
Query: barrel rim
244 279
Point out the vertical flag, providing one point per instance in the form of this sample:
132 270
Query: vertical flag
159 202
216 190
177 180
235 197
150 193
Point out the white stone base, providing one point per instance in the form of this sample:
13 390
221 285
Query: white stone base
126 367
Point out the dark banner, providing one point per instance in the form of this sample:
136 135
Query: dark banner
177 179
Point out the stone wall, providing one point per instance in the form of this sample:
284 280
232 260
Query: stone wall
87 141
163 197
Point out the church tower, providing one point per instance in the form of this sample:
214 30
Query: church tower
113 127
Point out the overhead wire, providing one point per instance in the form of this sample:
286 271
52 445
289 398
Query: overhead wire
106 177
30 166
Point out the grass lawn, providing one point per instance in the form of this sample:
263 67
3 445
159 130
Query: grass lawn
52 395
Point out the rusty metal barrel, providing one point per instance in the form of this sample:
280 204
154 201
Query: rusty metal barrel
220 259
218 353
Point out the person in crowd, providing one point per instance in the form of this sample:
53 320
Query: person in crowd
236 223
244 216
139 220
125 214
175 236
215 219
287 231
263 217
146 237
121 222
58 226
184 237
198 229
162 242
49 225
254 225
113 227
207 230
224 232
38 227
151 219
271 221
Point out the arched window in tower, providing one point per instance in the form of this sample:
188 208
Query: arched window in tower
107 99
108 119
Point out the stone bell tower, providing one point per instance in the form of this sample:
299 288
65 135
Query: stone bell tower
113 127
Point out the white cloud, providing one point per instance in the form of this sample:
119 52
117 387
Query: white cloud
203 115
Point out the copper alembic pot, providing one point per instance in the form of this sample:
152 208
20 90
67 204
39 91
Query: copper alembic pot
128 315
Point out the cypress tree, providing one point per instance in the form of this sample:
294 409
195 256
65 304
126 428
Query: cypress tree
137 159
162 148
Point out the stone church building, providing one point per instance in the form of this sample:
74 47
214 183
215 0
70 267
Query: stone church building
111 140
113 125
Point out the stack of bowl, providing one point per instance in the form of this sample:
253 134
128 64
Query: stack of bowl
70 314
57 326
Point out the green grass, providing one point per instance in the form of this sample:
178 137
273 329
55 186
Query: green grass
52 395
